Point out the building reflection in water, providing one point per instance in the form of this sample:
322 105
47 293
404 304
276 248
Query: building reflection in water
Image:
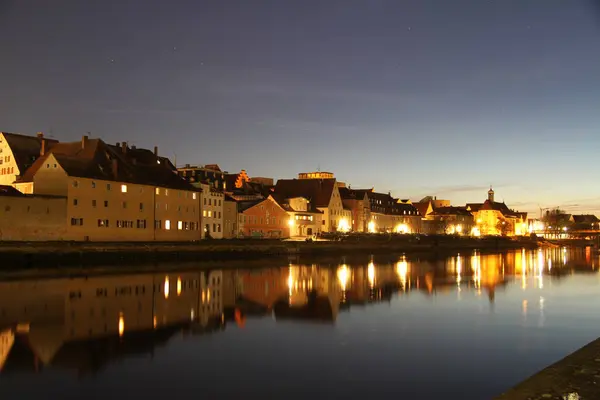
85 323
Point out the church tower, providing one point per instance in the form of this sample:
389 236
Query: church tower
491 195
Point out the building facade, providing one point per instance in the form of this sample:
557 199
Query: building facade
264 219
116 193
213 203
19 152
31 218
494 218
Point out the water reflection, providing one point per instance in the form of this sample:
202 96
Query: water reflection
89 322
86 323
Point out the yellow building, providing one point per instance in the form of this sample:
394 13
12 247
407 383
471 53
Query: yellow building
19 152
116 193
303 221
30 218
494 218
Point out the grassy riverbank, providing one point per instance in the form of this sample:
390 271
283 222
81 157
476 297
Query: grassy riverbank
52 254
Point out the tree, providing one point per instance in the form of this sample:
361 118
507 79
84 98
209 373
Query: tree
504 227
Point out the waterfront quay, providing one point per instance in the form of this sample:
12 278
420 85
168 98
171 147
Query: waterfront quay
575 377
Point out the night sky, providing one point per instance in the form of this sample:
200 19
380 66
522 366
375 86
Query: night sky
417 97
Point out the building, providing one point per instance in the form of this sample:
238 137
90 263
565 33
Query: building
210 174
585 222
316 175
230 217
211 181
263 219
243 188
31 218
19 152
358 204
381 213
427 205
322 195
303 220
116 193
453 220
494 218
213 203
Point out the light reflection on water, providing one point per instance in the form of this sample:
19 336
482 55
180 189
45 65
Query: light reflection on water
474 324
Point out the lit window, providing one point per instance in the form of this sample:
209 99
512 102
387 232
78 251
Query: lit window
204 213
157 191
123 188
167 224
166 192
194 195
179 225
210 213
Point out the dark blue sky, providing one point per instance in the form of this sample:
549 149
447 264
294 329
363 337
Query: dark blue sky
414 96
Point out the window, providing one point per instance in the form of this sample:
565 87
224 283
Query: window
75 202
214 227
105 203
194 196
166 192
123 188
209 202
93 203
75 184
93 185
103 223
108 187
205 201
219 214
210 214
166 207
167 224
141 223
124 204
76 221
179 225
204 213
141 206
157 191
218 227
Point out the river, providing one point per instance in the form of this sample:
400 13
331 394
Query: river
464 327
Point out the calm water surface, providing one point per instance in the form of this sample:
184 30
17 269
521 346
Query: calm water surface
467 327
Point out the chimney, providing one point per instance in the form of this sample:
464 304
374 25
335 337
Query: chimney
156 150
84 140
124 147
115 168
43 147
40 135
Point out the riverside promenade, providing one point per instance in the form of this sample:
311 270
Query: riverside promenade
575 377
21 254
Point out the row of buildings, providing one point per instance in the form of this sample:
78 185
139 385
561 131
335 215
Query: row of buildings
91 190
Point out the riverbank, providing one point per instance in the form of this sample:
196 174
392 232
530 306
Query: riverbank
15 255
575 377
